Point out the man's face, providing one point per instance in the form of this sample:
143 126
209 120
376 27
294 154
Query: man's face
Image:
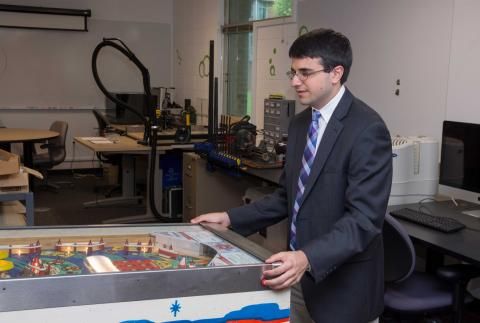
319 86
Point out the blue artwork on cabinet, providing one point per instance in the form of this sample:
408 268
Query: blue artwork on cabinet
258 313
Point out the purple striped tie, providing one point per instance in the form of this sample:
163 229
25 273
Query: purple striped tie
307 161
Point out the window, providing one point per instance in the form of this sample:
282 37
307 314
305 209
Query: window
238 79
240 15
244 11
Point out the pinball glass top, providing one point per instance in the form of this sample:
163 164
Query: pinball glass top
90 250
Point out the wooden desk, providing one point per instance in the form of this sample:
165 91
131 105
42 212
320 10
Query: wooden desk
129 147
121 145
28 137
463 245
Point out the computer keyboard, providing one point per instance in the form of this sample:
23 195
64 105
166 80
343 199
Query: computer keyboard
438 223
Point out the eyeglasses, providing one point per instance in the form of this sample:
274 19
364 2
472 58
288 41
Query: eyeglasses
303 75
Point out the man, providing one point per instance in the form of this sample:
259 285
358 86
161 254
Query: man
334 190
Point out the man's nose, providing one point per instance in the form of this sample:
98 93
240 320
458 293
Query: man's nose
295 81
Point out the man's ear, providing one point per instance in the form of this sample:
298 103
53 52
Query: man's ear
336 74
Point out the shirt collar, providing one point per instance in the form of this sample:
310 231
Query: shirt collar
328 109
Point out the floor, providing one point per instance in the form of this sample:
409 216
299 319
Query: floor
472 315
65 206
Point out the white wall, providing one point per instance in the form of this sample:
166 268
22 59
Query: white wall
51 70
408 40
432 46
464 78
195 24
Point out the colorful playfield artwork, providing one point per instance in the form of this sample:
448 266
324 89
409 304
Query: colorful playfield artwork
224 253
154 251
78 257
38 262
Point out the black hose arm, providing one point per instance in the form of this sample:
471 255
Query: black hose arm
120 46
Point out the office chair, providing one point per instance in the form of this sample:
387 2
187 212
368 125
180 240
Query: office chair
102 122
410 293
114 159
55 153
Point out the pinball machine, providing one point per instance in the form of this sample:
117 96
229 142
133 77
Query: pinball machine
134 273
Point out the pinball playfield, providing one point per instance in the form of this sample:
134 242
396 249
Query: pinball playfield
77 255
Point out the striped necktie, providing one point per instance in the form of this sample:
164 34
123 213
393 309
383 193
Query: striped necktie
307 161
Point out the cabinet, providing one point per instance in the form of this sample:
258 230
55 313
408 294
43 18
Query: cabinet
138 273
206 191
209 191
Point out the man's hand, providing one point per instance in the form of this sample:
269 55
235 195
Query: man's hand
293 266
216 217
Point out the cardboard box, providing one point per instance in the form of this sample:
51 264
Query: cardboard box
9 163
12 213
12 207
110 174
14 182
12 220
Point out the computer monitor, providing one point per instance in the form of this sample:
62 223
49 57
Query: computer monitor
460 162
117 114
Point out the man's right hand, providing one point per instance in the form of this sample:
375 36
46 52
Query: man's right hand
216 217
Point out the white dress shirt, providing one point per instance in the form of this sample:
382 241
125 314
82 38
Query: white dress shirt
327 112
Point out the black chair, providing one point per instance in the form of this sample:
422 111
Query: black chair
114 159
414 294
102 122
54 155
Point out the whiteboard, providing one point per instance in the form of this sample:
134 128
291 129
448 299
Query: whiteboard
40 68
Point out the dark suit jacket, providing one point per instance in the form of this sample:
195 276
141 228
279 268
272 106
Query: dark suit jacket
340 219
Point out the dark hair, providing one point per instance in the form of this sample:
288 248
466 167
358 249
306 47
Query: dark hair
330 46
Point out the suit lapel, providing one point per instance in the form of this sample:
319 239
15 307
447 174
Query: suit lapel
330 136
